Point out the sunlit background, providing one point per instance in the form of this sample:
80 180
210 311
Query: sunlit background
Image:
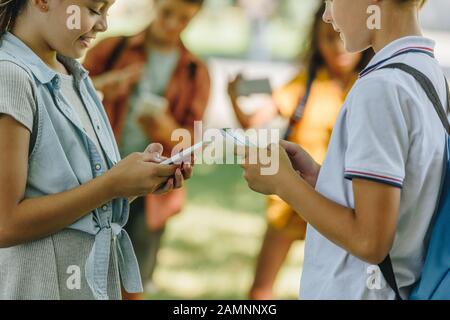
209 250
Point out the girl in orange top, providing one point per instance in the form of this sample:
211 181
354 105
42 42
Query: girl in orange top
331 72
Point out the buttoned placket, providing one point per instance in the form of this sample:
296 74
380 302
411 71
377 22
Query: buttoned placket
64 107
99 264
120 240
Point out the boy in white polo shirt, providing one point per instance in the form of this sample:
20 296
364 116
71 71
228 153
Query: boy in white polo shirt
377 190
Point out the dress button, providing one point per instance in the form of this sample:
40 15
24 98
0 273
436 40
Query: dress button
98 166
105 207
57 83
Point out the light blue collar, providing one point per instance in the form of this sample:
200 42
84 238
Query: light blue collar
43 73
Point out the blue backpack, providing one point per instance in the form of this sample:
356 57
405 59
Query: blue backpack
434 283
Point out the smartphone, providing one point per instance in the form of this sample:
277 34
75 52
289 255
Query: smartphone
246 88
178 158
238 139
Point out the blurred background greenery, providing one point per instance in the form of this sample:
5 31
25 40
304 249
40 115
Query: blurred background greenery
224 29
209 250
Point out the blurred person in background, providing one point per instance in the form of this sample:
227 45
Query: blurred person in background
258 12
151 85
312 101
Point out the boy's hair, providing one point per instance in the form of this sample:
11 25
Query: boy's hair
9 10
196 2
420 3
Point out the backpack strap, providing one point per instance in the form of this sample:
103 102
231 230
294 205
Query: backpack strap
448 96
429 89
386 266
388 272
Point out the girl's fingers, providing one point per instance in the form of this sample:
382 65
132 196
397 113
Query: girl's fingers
155 148
165 170
153 153
166 188
152 157
178 179
187 171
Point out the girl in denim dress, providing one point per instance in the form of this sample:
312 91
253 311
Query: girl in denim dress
64 191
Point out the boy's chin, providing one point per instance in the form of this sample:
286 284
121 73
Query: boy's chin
354 47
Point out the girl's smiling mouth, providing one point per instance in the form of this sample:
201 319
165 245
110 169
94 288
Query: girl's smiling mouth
86 41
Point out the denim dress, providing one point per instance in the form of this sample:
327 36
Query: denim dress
63 157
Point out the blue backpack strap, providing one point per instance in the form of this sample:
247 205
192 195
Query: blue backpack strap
388 273
448 96
429 89
386 266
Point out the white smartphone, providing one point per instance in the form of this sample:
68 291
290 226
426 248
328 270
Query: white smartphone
237 139
246 88
178 158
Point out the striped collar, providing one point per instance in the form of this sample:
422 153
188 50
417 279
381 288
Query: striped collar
400 47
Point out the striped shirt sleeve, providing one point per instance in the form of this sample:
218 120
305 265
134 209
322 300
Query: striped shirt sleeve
16 94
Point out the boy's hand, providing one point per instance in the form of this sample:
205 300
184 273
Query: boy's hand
302 162
267 184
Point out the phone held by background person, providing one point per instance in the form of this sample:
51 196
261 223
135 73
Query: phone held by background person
248 87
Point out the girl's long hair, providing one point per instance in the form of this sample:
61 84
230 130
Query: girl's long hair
312 57
9 10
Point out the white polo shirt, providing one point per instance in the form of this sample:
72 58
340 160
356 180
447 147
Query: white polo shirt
389 132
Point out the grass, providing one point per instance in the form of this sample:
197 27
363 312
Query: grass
209 250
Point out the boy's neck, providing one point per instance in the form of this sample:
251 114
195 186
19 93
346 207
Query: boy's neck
154 43
395 25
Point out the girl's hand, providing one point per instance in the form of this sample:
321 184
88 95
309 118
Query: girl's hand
140 174
175 182
260 118
302 162
232 89
184 172
268 184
